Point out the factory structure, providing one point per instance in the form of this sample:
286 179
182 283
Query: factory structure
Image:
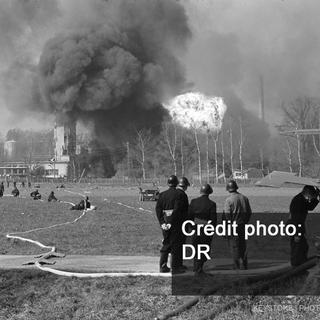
57 165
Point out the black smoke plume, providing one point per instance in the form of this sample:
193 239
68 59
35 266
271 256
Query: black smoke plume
115 68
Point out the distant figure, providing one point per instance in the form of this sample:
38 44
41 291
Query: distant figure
52 197
80 206
303 202
22 184
35 195
1 189
29 184
237 208
14 184
8 183
88 204
15 192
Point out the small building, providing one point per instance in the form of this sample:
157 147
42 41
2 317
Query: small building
251 173
14 169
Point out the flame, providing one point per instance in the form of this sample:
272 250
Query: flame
194 110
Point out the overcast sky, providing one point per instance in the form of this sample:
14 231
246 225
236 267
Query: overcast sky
233 43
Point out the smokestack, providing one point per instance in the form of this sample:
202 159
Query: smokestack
261 113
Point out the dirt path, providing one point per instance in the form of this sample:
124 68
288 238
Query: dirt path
132 264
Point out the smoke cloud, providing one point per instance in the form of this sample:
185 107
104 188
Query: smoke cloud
234 42
117 67
104 60
109 64
24 28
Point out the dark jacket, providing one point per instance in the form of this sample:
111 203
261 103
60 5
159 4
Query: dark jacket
169 200
237 208
15 192
52 197
299 208
203 208
184 205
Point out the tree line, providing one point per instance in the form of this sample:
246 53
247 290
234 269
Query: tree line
243 142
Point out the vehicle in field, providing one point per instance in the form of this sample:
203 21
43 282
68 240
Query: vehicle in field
148 193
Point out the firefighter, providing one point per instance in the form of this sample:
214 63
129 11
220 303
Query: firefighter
52 197
303 202
202 211
169 217
35 195
15 192
87 203
1 189
182 188
237 208
82 205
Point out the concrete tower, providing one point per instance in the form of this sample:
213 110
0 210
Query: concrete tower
65 140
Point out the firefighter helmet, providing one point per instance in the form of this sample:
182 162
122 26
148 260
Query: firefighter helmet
309 192
184 182
232 186
206 189
173 181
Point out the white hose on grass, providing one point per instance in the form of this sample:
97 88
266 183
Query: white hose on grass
15 235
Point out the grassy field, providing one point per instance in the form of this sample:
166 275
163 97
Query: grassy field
35 295
116 229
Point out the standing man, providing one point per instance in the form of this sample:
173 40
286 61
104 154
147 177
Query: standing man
169 216
237 208
182 188
303 202
201 211
1 189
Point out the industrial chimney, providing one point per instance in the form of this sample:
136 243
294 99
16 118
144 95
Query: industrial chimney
65 139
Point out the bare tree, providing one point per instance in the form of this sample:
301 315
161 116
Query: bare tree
315 145
215 144
142 140
199 155
222 156
241 145
207 156
231 149
171 141
299 154
300 114
182 153
289 155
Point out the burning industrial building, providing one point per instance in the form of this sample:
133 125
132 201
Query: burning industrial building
108 65
115 69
